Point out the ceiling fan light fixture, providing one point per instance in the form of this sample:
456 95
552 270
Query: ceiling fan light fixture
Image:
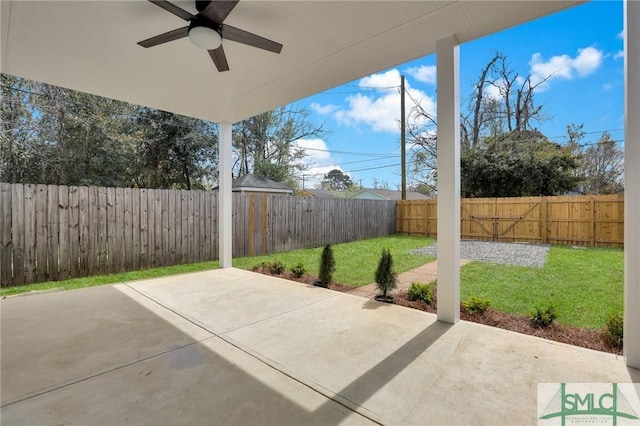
205 37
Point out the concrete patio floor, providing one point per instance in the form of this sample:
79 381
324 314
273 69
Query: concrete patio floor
233 347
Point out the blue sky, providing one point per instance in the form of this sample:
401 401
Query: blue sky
581 47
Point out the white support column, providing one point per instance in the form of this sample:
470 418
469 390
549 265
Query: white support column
448 133
632 185
225 197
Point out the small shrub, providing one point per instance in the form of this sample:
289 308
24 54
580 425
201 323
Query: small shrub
327 266
276 267
613 330
420 291
298 271
476 305
543 318
386 277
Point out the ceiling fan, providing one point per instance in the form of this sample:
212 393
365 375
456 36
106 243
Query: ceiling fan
207 30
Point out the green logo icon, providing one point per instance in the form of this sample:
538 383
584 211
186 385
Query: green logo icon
564 404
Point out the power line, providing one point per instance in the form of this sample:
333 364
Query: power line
364 154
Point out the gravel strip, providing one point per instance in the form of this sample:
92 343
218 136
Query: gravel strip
518 254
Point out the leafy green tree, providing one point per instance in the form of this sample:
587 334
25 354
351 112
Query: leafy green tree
335 180
20 151
519 164
175 151
265 144
53 135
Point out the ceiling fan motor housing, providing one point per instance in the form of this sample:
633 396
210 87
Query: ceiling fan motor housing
205 34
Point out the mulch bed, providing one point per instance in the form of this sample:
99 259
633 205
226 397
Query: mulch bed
591 339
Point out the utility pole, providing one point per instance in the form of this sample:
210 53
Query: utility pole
403 161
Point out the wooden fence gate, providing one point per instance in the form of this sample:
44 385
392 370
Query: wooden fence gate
499 219
590 220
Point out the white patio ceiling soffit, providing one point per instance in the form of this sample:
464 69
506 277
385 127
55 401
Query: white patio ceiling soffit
91 46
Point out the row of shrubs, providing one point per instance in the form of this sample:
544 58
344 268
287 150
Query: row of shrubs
278 268
386 279
541 317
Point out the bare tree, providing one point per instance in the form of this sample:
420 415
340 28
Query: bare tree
602 167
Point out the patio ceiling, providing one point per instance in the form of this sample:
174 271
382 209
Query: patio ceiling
91 46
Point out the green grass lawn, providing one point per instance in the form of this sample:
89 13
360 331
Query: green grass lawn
356 262
585 285
109 279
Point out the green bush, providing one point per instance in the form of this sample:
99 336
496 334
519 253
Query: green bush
420 291
476 305
613 330
327 266
298 271
276 267
386 277
543 317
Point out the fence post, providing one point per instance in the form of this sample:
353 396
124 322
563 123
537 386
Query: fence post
544 227
592 224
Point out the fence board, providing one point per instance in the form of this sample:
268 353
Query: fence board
53 236
151 228
84 252
119 233
128 229
166 254
144 229
29 230
158 255
6 247
103 248
74 232
17 233
93 231
135 229
41 232
111 231
64 258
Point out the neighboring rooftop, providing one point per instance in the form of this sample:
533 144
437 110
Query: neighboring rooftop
322 193
255 183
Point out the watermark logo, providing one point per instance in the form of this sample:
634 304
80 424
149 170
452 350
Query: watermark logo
588 403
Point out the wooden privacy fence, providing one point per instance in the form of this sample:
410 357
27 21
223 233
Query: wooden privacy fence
266 224
50 233
575 220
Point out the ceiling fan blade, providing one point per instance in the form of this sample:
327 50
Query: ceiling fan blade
217 11
219 58
166 37
245 37
172 8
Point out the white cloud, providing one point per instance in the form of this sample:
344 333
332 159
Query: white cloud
564 66
588 60
493 92
381 109
316 152
619 54
424 73
621 34
389 80
323 109
606 87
